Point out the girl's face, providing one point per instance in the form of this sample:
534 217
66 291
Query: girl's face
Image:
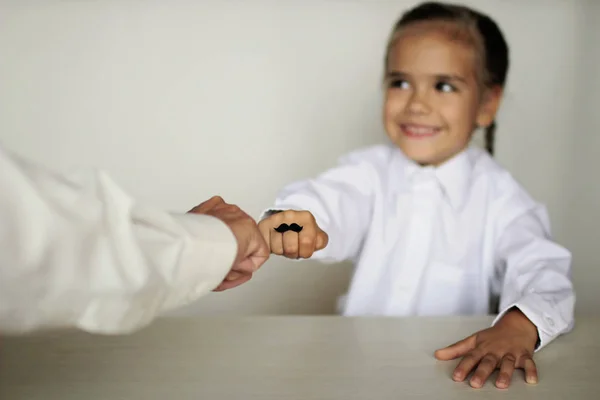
433 99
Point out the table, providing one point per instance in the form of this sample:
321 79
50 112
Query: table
294 357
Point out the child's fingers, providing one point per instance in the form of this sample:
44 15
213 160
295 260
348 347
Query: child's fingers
507 368
307 241
486 366
531 374
276 242
290 244
457 349
465 366
322 240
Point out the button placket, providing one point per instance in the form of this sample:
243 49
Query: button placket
416 252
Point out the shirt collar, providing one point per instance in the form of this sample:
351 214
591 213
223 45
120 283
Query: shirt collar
454 176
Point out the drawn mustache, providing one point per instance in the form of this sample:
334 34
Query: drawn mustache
285 227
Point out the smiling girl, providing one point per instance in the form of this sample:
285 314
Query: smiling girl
436 226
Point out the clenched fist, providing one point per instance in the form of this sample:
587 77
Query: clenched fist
292 244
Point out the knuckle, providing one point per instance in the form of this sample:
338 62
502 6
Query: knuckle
529 360
524 357
287 214
526 354
291 250
307 216
490 357
267 221
275 220
289 254
307 241
306 254
231 208
509 357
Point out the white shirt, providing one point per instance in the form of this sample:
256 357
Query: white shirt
438 241
77 251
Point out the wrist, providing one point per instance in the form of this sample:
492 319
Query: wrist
209 249
514 319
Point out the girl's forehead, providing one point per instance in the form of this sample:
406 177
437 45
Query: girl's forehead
432 48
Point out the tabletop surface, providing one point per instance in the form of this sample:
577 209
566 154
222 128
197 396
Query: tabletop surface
282 358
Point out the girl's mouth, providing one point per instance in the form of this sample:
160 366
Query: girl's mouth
419 131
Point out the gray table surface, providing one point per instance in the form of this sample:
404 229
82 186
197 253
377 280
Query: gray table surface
281 358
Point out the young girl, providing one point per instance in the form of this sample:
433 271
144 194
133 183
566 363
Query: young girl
433 225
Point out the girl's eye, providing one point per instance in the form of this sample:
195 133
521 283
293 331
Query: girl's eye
399 83
444 87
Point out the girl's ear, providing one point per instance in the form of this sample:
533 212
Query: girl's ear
489 106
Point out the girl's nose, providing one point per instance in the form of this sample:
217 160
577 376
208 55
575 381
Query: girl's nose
418 103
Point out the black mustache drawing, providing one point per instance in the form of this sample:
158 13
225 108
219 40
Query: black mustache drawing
285 227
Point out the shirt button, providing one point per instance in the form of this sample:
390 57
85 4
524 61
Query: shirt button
550 321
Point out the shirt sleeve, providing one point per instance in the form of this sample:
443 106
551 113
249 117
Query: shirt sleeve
340 199
78 252
536 275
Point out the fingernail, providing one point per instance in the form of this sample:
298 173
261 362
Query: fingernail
531 380
476 382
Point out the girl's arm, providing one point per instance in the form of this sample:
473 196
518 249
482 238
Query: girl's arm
340 200
536 275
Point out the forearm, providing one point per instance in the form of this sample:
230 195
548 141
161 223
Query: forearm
79 252
547 299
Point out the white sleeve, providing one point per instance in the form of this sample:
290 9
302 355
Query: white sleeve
77 251
536 275
341 200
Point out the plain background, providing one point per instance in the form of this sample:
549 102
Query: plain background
180 100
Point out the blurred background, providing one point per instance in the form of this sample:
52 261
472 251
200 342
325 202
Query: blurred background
180 100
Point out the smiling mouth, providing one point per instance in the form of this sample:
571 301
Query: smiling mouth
419 131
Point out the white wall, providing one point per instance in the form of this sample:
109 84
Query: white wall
181 100
582 230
